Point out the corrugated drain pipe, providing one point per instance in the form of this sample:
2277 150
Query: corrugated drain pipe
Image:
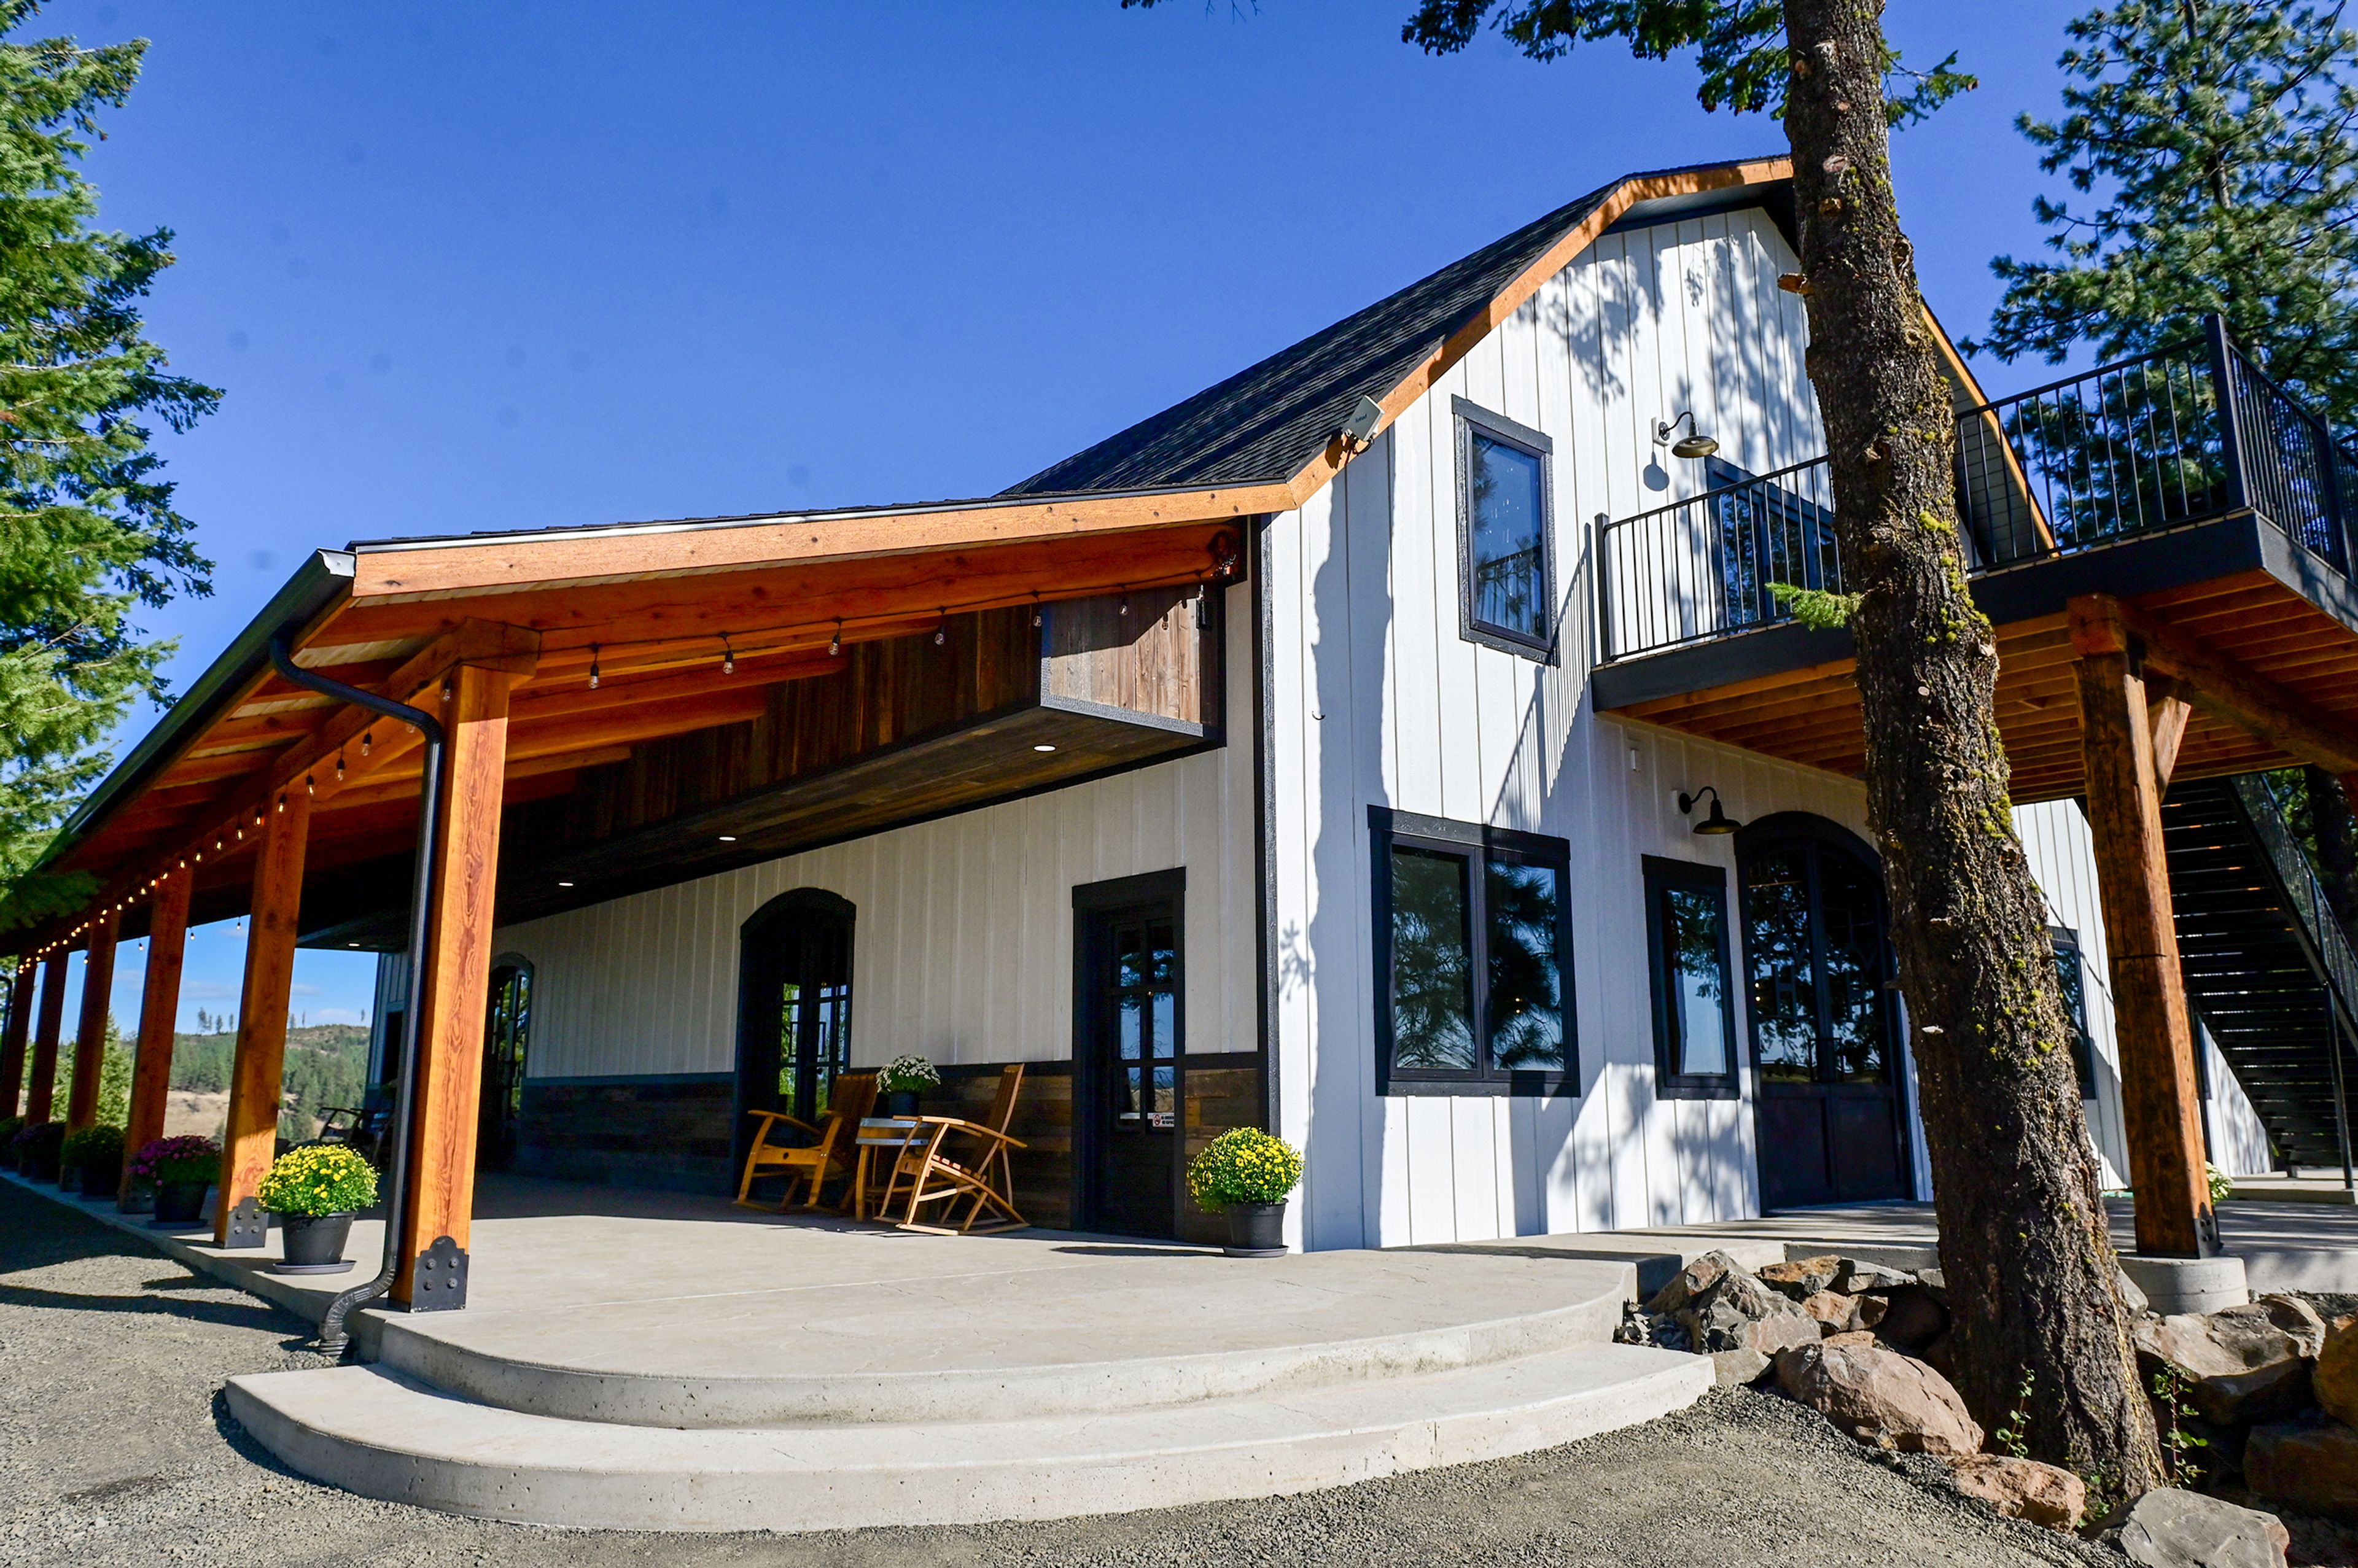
429 813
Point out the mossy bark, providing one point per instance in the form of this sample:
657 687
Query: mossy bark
2023 1239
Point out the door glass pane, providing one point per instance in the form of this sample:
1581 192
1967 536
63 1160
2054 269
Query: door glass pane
1524 906
1694 938
1433 961
1505 497
1851 906
1784 979
790 1041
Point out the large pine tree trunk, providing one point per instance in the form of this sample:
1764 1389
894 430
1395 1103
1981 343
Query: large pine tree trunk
2030 1267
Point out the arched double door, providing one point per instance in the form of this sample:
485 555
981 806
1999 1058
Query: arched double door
794 1032
1825 1036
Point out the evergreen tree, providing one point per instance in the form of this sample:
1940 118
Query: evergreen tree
2212 141
88 530
2031 1269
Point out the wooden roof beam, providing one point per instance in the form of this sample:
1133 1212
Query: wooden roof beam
2216 684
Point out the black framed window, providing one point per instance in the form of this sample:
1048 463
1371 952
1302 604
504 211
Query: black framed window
1694 1001
2070 973
1473 937
1505 520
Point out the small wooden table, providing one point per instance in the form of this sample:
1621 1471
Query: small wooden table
891 1135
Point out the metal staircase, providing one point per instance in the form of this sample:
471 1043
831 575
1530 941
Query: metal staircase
2267 967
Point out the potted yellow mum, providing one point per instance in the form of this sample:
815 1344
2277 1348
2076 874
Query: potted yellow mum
315 1190
1247 1175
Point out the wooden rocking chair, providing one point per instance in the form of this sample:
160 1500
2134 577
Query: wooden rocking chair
854 1096
952 1159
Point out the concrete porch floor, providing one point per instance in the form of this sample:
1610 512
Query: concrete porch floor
2299 1245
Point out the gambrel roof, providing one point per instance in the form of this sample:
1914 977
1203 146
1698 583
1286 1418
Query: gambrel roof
1270 422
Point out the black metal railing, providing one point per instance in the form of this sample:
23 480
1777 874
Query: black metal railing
2123 450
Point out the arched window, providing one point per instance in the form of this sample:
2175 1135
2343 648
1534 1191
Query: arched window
794 1032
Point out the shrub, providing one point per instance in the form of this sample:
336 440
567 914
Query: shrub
907 1074
91 1146
9 1127
319 1178
38 1139
184 1161
1244 1166
2223 1186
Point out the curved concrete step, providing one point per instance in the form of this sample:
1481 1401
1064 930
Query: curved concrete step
385 1436
690 1368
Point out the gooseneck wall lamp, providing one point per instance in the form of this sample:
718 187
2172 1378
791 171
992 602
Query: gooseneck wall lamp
1693 444
1717 823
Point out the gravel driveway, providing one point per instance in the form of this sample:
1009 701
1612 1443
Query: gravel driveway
116 1450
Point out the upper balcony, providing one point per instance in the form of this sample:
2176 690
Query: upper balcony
2227 517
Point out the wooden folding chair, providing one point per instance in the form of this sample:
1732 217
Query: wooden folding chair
952 1159
853 1097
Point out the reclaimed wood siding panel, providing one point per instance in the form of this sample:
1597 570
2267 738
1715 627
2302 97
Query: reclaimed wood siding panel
963 936
1381 701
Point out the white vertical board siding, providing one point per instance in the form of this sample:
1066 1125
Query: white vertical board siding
963 940
1379 701
2063 858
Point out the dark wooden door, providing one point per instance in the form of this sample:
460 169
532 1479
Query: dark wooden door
1129 1068
1824 1044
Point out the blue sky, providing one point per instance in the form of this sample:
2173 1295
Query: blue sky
506 265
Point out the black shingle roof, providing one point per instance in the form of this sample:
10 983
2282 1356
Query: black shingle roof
1267 422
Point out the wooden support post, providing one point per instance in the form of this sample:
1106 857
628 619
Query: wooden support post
256 1083
449 1066
39 1095
18 1032
97 1004
2160 1103
159 1008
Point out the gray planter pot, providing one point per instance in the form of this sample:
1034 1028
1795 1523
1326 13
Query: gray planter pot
1256 1230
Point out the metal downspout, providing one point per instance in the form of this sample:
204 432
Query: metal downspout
429 815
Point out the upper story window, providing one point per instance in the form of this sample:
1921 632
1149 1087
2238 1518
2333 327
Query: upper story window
1473 958
1504 515
1694 1002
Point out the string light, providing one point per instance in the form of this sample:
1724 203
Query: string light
942 631
1125 602
368 737
593 666
835 643
727 656
445 689
309 787
340 765
1038 615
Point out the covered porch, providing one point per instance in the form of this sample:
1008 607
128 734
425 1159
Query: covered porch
2163 549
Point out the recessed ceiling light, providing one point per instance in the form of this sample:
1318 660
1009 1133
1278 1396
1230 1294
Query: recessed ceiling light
1043 746
728 837
564 884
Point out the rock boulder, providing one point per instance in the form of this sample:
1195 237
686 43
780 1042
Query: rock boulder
1911 1318
2296 1318
2337 1371
1802 1280
2242 1366
2023 1488
2312 1468
2170 1529
1880 1396
1722 1306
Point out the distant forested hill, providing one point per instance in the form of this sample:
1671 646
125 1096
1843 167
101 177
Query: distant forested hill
327 1064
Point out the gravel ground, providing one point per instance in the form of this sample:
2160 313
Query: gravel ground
117 1449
